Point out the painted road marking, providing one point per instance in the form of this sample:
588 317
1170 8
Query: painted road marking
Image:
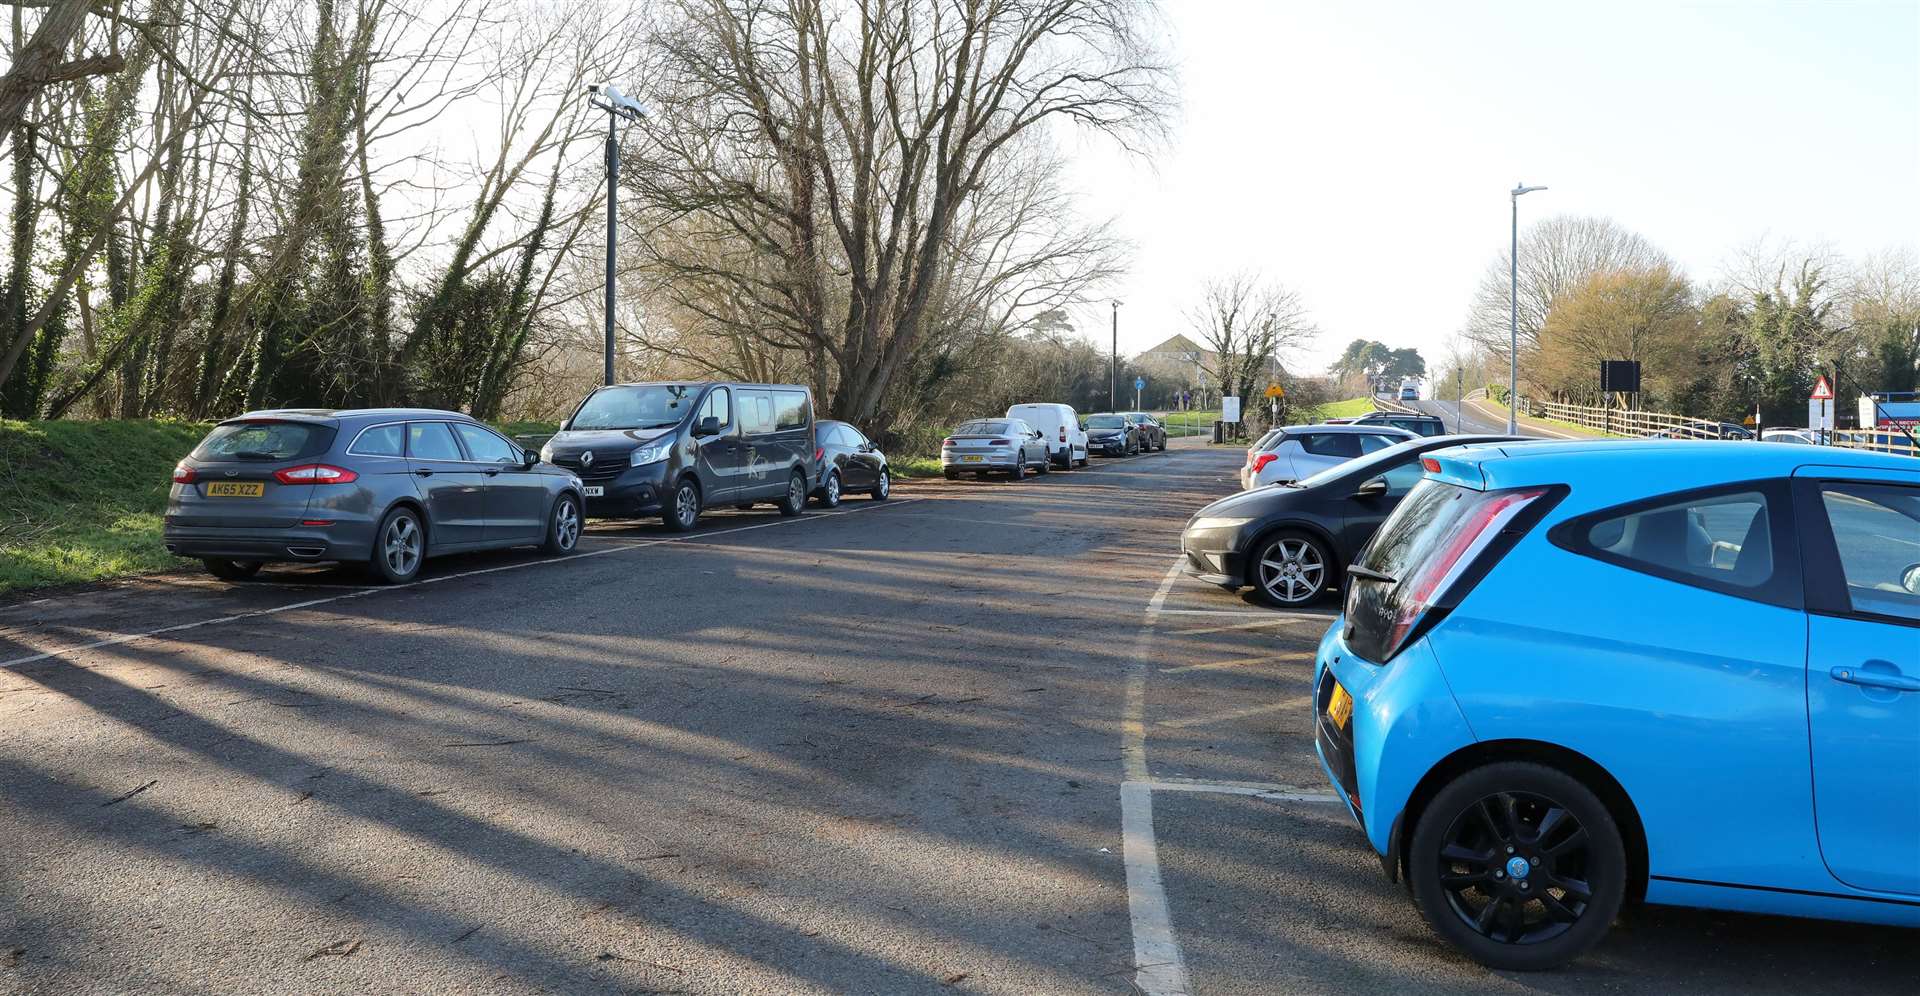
1233 714
364 592
1296 655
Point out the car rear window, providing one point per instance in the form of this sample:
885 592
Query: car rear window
1334 444
264 441
1416 531
982 429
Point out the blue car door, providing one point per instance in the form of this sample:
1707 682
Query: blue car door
1862 534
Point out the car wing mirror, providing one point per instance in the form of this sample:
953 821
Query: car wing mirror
709 426
529 458
1373 488
1910 579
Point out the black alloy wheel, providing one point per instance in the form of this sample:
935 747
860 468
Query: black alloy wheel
683 509
1519 865
232 570
795 500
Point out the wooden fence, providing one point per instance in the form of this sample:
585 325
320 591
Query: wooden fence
1628 422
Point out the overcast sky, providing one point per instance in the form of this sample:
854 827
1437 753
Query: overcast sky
1361 152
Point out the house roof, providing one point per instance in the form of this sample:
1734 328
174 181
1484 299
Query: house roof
1179 344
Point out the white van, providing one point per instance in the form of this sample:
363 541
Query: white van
1066 441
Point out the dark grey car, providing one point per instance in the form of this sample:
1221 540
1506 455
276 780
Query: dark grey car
386 487
673 449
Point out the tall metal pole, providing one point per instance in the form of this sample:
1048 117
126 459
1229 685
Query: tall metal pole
1513 320
613 193
1113 373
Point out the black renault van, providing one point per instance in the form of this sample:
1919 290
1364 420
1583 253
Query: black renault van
672 449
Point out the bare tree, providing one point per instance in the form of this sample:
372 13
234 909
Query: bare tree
1249 324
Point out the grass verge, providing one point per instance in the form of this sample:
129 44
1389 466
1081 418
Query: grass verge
906 468
1350 408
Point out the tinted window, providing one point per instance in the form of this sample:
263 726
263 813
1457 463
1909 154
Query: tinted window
756 411
1401 479
432 441
1331 444
1374 444
635 407
484 446
719 405
381 440
983 428
264 441
1722 538
1876 529
1415 533
789 410
851 436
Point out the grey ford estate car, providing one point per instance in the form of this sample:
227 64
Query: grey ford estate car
672 449
387 487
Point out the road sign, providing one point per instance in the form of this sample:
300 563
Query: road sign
1139 383
1822 391
1230 409
1276 391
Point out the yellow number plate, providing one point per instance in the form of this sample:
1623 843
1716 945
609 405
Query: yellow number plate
973 459
235 489
1340 707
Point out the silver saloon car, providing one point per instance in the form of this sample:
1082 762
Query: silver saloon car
986 445
382 487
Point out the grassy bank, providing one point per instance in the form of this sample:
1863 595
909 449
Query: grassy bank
1350 408
80 501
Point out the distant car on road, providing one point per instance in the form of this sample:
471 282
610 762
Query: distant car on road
384 487
852 464
1574 674
1419 425
1006 445
1060 424
1153 434
676 448
1705 430
1290 543
1112 435
1409 391
1804 437
1300 451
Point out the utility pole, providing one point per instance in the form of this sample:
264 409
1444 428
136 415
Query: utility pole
1513 315
617 106
1113 373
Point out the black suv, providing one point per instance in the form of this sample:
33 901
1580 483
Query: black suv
672 449
1421 425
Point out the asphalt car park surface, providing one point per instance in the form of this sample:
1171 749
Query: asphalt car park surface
980 738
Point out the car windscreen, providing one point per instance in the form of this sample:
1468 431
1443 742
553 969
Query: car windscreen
264 441
1105 422
652 406
1370 465
982 429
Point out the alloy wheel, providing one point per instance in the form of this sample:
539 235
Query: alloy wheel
1514 868
566 525
1292 570
686 505
400 547
832 490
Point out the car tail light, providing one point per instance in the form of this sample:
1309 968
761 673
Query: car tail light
948 442
1262 460
1432 576
999 442
315 473
819 453
1430 465
1063 433
183 474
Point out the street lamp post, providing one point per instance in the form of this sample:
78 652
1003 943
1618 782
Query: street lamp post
1513 315
1113 372
618 106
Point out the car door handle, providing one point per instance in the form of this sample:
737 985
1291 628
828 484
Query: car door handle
1876 679
493 473
424 472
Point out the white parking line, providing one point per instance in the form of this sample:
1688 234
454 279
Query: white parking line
1272 793
1159 969
115 641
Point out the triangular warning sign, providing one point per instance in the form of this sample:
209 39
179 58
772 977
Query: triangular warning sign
1822 391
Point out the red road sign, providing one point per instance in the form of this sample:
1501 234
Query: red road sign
1822 391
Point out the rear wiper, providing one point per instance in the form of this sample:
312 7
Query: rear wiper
1371 575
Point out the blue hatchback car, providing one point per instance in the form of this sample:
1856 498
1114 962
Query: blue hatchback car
1570 676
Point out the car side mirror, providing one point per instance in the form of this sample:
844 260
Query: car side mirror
1910 579
709 426
1375 488
529 459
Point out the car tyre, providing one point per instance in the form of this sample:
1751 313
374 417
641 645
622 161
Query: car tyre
1019 471
563 527
1045 465
951 475
683 506
233 570
795 500
1291 569
883 487
399 547
1540 822
830 491
1066 464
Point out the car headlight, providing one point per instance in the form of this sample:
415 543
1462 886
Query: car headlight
650 454
1218 522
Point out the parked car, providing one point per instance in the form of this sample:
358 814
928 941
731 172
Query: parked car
1705 430
387 487
1113 435
985 445
1153 433
1066 441
1299 451
676 448
1574 674
851 464
1804 437
1419 425
1290 544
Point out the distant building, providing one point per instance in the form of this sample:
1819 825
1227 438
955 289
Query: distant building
1182 361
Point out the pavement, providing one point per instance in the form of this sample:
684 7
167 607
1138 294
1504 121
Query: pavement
979 738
